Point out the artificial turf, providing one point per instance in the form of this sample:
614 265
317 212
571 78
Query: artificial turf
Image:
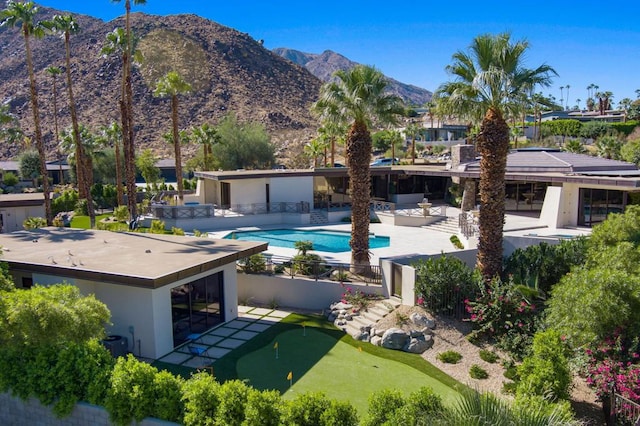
323 358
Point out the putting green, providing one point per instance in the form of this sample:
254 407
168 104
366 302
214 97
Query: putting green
319 362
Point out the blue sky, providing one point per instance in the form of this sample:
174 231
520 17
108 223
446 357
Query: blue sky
412 41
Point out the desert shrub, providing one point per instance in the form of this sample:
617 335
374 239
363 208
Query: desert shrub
477 372
279 268
34 223
66 202
546 371
157 227
488 356
121 213
542 265
254 264
81 207
594 129
444 282
358 298
450 357
456 242
177 231
309 264
58 221
10 179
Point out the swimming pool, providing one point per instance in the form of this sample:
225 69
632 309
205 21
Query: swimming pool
322 239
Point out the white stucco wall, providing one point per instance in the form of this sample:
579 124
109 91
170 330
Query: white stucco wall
292 189
12 217
248 191
148 311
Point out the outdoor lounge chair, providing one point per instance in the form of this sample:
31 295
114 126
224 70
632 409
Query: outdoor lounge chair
198 350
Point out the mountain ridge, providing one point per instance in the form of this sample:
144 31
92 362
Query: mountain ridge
323 66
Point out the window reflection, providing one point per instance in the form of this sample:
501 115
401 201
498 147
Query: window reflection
197 306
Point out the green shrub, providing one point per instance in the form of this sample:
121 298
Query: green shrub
279 268
382 405
456 242
121 213
509 388
10 179
546 371
177 231
58 221
444 282
477 372
450 357
34 223
339 413
422 404
488 356
561 411
133 393
263 408
254 264
303 247
201 400
309 264
232 397
157 227
306 409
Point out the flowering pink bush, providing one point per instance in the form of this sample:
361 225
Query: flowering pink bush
613 366
359 299
502 312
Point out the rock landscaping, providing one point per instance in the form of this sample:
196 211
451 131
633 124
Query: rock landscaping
414 335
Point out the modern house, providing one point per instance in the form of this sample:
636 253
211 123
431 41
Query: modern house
160 289
15 208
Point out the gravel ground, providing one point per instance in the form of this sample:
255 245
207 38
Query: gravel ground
450 335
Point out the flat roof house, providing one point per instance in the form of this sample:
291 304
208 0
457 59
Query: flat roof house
159 288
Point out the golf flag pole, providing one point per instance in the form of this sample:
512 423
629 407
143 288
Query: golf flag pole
275 346
290 378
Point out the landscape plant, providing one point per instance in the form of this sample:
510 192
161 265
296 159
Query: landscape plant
254 264
477 372
488 356
450 357
444 282
506 313
34 223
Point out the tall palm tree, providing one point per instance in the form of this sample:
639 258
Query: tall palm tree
206 136
126 111
22 14
54 72
67 25
357 98
487 78
561 97
567 101
91 145
112 135
170 86
315 148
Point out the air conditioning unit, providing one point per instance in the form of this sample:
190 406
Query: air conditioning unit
116 345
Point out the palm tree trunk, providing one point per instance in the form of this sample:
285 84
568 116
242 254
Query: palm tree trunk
413 150
120 195
333 151
493 143
55 126
176 148
127 111
358 155
36 122
84 185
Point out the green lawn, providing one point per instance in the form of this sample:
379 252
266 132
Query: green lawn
83 221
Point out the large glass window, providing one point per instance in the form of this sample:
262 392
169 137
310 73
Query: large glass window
525 196
596 204
197 306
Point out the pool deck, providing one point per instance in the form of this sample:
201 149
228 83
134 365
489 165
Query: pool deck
408 241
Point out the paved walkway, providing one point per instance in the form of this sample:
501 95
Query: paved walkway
219 341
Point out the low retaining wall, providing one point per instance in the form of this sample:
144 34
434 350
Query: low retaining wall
295 292
15 411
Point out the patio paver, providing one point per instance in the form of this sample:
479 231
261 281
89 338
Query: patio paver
236 324
257 327
223 331
260 311
245 335
210 340
231 343
252 316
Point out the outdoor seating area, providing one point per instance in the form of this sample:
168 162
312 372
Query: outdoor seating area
202 350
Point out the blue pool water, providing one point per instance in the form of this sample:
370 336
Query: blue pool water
322 239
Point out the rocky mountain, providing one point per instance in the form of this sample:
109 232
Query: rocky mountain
228 70
325 64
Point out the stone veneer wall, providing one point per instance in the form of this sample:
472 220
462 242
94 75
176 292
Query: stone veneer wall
15 411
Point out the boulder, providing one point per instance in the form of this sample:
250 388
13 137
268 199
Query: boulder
394 338
365 329
417 345
376 340
348 317
422 321
364 337
332 317
340 306
379 332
